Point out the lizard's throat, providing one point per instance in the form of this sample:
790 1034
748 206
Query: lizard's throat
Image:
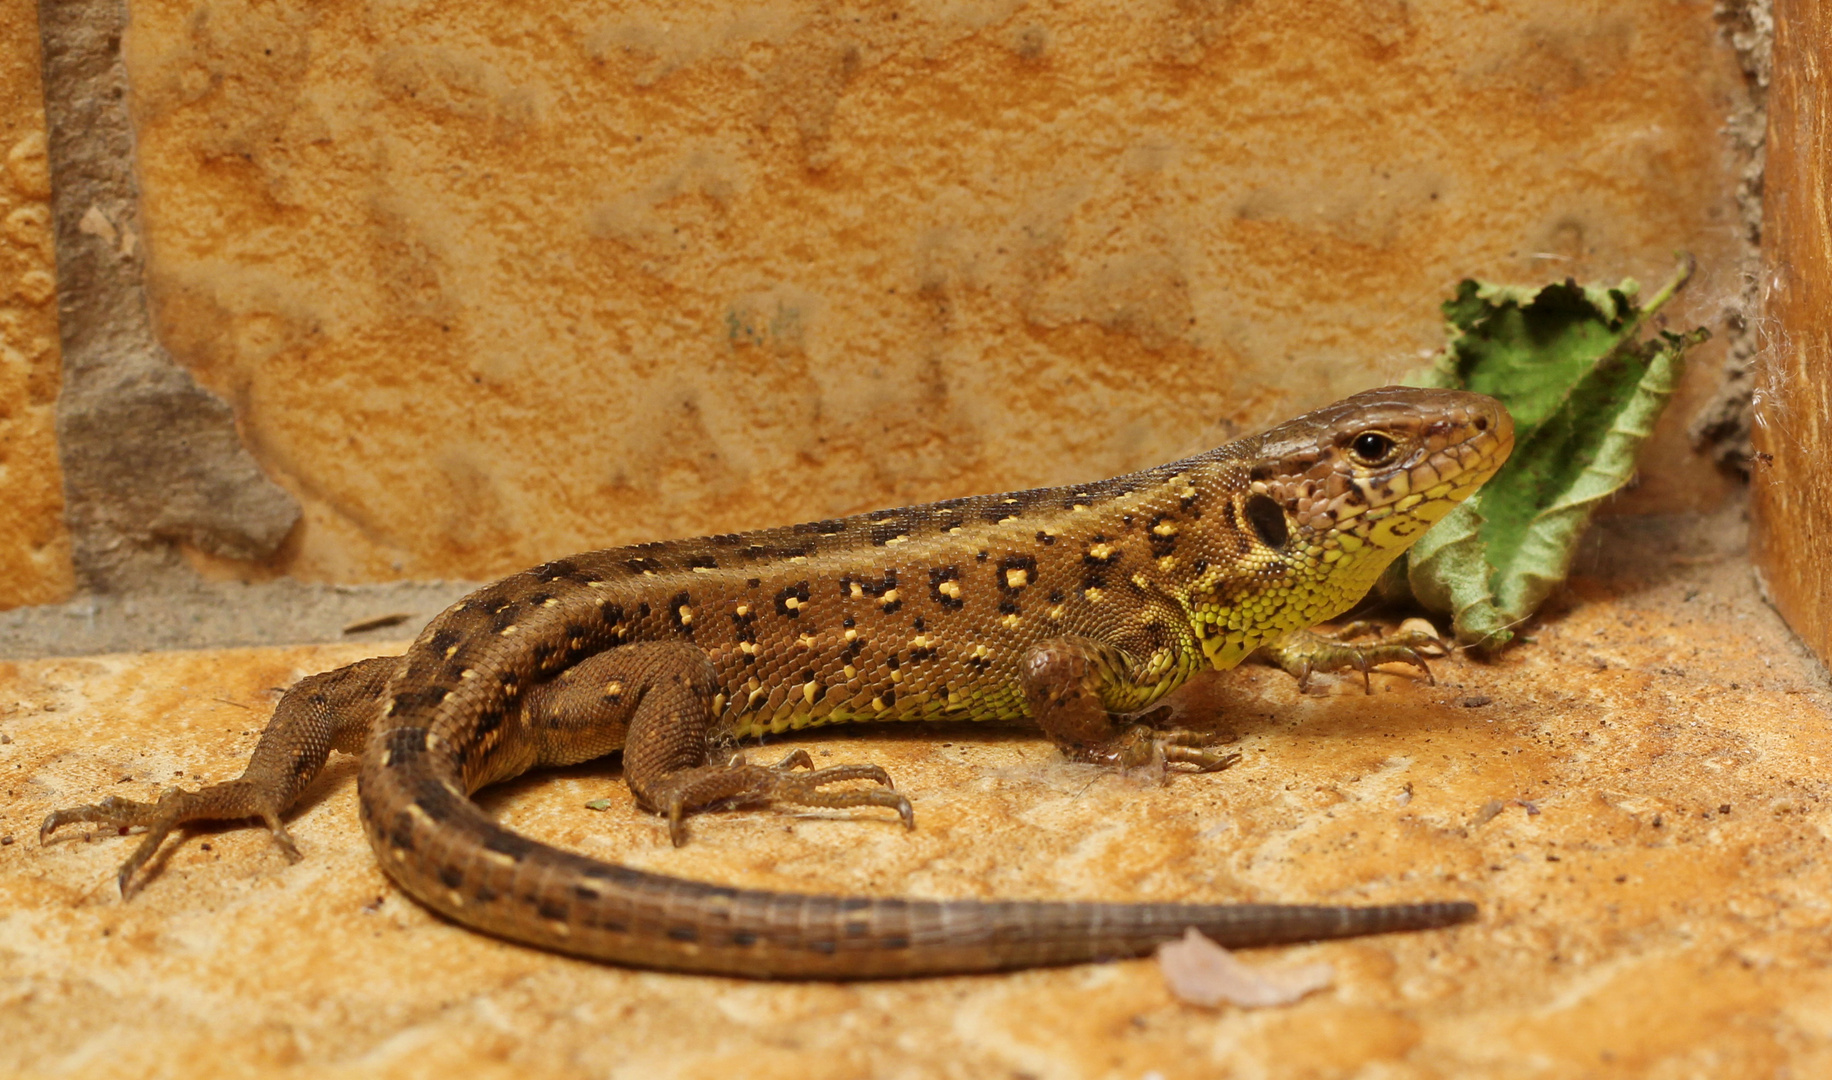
1230 625
1222 648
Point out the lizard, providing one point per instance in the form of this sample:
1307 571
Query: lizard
1071 608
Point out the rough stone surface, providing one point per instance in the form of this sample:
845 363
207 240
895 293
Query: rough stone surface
35 563
1636 798
221 614
485 286
1789 487
149 458
1722 427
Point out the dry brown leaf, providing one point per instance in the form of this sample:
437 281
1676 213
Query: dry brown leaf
1203 973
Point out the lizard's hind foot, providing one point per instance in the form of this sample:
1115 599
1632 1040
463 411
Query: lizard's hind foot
1307 652
1140 747
793 781
176 807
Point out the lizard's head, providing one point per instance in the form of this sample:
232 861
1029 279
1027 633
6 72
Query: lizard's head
1335 495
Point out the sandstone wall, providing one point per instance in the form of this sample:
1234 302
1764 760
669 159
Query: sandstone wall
1790 496
488 283
35 563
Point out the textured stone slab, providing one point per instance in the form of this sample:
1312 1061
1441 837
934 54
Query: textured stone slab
224 614
1637 800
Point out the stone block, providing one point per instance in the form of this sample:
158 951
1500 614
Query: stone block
35 565
486 284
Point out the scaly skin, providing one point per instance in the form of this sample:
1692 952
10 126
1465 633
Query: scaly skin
1068 607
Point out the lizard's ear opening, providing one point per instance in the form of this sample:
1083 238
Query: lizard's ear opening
1268 520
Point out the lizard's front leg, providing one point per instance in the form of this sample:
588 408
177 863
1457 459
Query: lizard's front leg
320 713
1063 679
1305 652
661 701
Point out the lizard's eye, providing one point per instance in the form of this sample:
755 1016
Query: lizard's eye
1373 448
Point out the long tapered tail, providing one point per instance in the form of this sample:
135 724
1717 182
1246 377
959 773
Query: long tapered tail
448 854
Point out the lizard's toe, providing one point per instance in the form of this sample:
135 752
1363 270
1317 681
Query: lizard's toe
1205 759
175 807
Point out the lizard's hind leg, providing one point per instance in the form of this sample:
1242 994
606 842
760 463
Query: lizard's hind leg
318 714
660 701
1062 685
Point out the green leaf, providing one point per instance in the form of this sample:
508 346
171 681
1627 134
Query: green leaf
1527 347
1447 572
1582 454
1584 394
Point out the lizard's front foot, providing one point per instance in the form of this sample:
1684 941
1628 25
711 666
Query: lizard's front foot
218 802
689 791
1141 747
1306 652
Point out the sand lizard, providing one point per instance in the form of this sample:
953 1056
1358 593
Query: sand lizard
1071 607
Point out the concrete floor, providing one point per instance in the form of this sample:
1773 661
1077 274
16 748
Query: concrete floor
1636 798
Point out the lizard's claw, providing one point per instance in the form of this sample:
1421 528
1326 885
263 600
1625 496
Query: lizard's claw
797 759
1306 652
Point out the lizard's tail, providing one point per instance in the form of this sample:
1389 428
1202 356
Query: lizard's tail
445 851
